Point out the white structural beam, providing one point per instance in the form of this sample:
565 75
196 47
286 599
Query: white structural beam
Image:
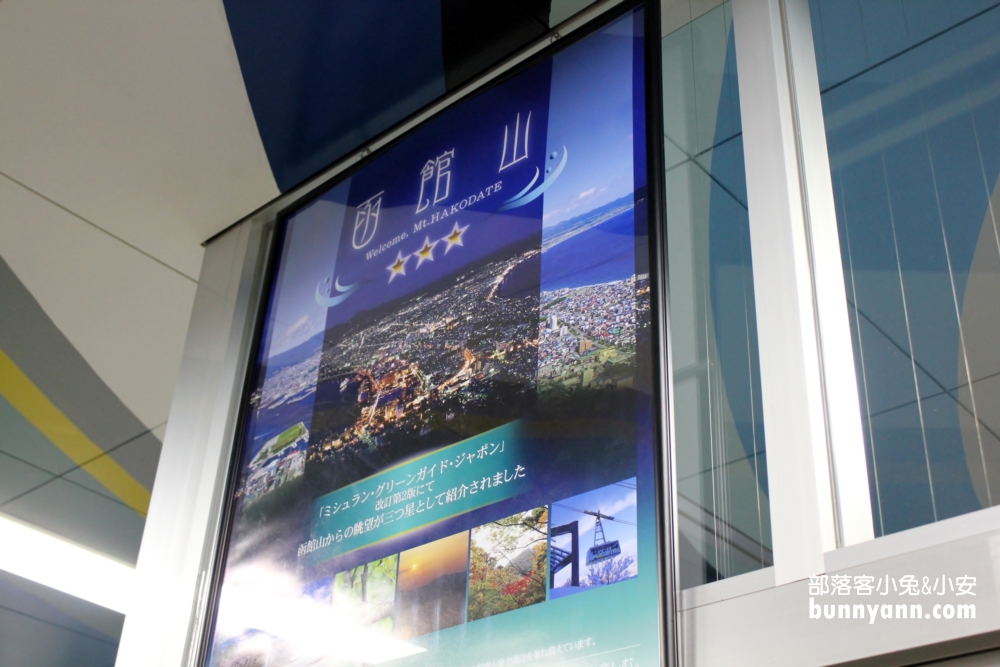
799 471
174 566
843 408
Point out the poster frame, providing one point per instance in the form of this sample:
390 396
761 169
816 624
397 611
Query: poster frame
301 196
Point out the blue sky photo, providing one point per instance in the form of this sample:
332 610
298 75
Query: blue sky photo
307 262
617 500
596 130
590 113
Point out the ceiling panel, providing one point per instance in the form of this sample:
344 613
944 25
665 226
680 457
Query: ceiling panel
133 116
126 314
83 516
21 440
139 456
18 477
40 626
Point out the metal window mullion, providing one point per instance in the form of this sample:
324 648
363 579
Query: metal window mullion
845 432
800 476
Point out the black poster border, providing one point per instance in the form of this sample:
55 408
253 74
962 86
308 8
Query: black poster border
203 623
659 320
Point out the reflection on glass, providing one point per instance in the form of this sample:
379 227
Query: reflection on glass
911 100
432 586
718 421
457 346
266 618
369 591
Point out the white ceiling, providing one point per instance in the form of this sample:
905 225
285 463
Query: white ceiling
126 314
126 139
132 115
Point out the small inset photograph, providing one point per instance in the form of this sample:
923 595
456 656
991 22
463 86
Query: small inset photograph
368 593
430 592
280 460
508 563
592 541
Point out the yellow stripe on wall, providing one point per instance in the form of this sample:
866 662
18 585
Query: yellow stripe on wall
28 399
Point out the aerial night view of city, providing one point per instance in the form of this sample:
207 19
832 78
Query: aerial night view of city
469 353
452 361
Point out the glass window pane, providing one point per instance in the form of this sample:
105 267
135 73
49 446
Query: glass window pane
718 420
911 101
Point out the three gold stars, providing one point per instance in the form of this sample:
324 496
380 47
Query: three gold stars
426 253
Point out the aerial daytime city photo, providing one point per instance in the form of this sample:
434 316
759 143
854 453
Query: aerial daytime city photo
587 335
282 458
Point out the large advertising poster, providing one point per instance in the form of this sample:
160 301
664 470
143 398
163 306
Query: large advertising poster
448 455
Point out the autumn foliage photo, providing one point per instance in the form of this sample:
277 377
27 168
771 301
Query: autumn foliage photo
508 564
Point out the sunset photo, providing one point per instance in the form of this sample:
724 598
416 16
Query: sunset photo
430 594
